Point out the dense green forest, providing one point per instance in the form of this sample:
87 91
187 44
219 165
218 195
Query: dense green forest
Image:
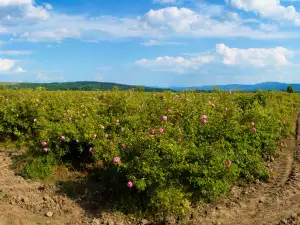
81 85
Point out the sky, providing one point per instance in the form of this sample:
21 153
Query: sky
150 42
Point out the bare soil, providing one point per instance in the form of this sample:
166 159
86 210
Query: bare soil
277 202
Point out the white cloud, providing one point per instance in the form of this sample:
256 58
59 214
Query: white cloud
41 24
268 9
9 66
15 52
159 43
257 57
6 3
42 77
175 64
49 36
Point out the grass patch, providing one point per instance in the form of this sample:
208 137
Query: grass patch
39 168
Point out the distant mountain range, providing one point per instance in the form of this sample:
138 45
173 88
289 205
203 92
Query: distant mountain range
92 86
276 86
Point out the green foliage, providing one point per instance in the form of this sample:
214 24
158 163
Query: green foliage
39 168
186 163
290 89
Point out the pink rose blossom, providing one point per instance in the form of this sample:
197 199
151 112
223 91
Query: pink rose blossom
116 160
179 140
117 121
106 135
45 149
252 124
102 127
129 184
70 119
204 117
164 118
62 138
134 111
44 143
95 136
161 130
91 150
254 129
152 132
228 163
169 110
204 121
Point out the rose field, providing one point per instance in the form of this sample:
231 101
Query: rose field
158 153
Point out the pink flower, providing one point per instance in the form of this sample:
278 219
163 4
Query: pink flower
117 121
45 149
176 96
62 138
44 143
204 117
204 121
116 160
152 132
129 184
179 140
169 110
95 136
134 111
161 130
70 119
228 163
252 124
164 118
213 105
91 150
102 127
106 135
123 145
254 129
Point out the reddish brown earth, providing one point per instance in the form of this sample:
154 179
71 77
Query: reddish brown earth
275 202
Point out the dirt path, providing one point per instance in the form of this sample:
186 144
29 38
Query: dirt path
22 201
277 202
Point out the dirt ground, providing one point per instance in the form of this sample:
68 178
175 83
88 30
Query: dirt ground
25 202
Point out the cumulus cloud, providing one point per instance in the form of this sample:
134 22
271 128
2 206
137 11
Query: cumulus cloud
9 66
268 9
37 23
175 64
257 57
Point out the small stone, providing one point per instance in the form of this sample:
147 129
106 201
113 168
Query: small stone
284 221
261 200
272 159
294 215
144 222
49 214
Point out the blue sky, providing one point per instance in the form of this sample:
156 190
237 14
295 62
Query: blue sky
150 42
